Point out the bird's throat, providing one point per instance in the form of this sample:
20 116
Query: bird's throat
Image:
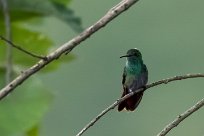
134 67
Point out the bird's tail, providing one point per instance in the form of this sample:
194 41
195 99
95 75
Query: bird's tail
131 103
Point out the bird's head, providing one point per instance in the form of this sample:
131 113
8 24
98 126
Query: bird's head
133 55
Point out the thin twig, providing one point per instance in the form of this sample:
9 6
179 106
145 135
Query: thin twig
181 117
21 49
112 106
110 15
7 23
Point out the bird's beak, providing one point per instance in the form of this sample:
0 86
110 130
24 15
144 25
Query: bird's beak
125 56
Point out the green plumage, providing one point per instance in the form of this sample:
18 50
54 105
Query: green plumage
135 76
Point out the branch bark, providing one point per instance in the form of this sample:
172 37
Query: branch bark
164 81
181 117
67 47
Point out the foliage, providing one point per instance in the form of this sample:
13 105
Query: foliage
26 9
22 110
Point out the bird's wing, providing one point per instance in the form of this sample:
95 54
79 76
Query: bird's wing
124 76
122 105
144 75
142 79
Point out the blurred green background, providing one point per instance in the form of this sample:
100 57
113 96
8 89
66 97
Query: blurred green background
170 36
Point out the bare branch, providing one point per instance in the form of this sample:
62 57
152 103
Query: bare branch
112 106
67 47
181 117
21 49
8 35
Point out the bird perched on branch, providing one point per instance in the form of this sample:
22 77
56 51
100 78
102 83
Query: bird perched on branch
135 76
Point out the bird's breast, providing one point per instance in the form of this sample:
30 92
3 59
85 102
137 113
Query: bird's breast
130 79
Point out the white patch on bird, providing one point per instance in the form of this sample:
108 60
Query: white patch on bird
130 90
126 63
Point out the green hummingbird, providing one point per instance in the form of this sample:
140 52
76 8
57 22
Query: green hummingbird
135 76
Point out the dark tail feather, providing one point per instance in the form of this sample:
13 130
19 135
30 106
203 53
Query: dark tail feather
131 103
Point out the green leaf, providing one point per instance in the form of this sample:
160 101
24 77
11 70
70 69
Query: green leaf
62 13
34 131
34 42
26 9
64 2
23 108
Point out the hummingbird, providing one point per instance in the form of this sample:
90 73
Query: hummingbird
135 76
